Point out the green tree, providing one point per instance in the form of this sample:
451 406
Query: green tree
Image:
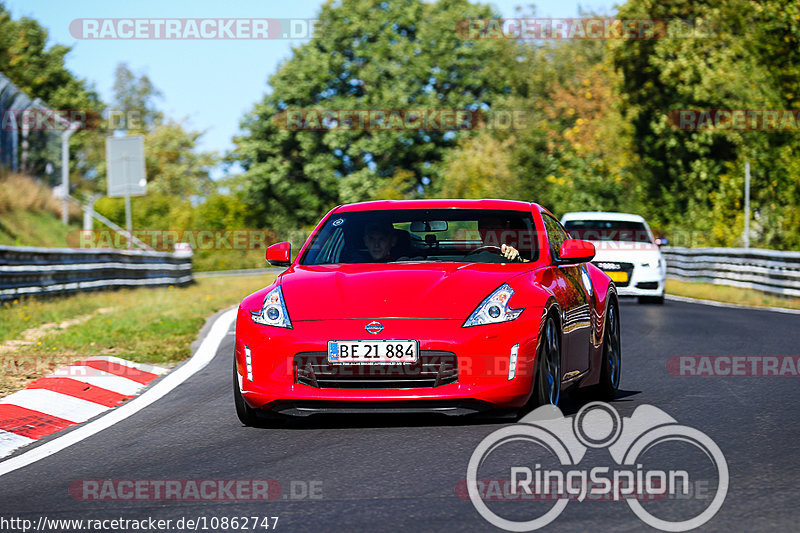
365 55
744 56
175 167
134 99
480 168
39 71
174 164
572 150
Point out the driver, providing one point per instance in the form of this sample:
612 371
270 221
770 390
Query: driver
380 240
497 232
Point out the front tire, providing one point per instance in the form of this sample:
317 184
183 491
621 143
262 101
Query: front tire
547 385
247 415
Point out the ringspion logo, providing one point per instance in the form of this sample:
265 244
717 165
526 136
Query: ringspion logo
540 461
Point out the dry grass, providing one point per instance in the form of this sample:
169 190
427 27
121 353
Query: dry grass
146 325
23 193
734 295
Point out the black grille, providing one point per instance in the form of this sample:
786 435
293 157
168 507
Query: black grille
432 369
647 285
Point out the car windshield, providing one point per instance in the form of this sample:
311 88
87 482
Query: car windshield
608 230
422 235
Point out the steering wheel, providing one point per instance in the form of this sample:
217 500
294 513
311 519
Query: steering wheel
487 248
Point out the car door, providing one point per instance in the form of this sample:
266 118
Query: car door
573 296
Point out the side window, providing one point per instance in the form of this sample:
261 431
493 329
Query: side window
332 248
555 235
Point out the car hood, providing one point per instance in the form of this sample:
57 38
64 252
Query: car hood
416 290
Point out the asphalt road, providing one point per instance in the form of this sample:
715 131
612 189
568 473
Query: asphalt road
401 473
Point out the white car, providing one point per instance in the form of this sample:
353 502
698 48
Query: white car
626 251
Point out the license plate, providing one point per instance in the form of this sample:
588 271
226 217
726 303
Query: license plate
618 276
372 352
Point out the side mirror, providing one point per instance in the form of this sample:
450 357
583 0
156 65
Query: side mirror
576 251
662 241
280 254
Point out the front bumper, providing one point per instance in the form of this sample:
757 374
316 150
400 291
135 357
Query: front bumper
642 281
646 287
483 356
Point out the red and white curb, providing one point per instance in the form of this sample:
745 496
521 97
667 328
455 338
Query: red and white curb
204 354
70 395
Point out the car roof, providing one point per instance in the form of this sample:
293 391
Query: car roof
383 205
601 215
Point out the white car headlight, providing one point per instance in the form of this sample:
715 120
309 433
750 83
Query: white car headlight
273 311
652 263
494 309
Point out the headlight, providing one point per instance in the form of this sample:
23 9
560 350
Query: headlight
653 263
273 311
494 309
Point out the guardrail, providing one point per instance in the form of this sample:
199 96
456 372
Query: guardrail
34 271
765 270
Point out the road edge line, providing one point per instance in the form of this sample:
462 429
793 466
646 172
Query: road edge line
204 355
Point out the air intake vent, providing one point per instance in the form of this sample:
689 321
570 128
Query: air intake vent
433 369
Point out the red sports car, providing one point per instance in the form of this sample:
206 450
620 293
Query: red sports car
449 306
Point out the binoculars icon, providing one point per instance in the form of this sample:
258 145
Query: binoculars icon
598 425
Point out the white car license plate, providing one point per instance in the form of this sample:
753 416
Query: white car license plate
372 352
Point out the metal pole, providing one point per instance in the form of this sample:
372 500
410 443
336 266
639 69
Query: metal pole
128 218
128 224
88 213
71 128
65 176
747 204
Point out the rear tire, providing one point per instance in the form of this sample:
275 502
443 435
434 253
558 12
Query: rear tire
547 383
247 415
611 369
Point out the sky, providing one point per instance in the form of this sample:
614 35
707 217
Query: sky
211 84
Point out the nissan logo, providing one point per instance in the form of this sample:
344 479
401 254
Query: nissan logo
374 327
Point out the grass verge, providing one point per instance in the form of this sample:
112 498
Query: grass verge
733 295
146 325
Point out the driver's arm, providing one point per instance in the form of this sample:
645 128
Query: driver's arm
512 254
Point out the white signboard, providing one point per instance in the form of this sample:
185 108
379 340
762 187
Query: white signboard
125 166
